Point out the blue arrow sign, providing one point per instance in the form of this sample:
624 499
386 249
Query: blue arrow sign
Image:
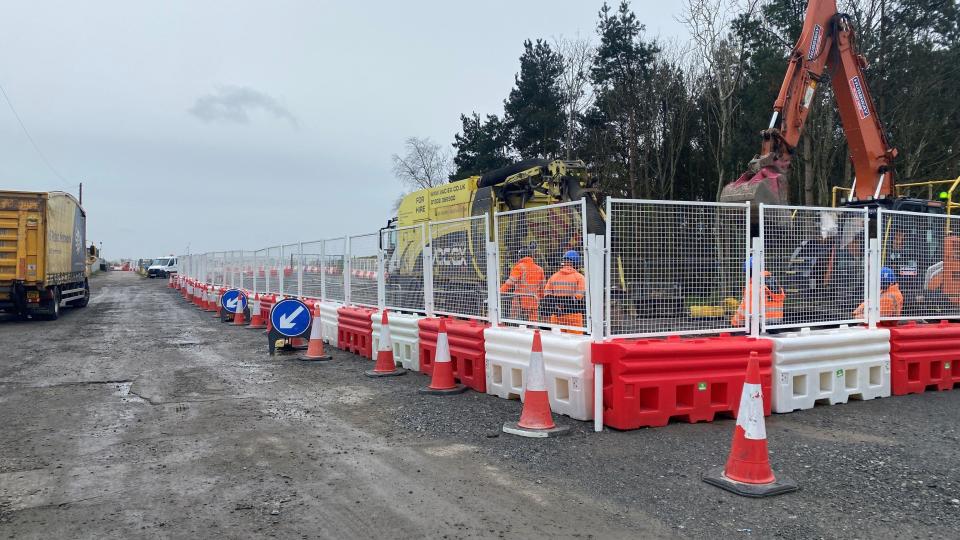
290 317
233 301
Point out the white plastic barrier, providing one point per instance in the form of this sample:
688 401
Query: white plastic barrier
329 321
405 333
566 359
829 366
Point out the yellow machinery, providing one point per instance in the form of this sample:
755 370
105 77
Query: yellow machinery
528 184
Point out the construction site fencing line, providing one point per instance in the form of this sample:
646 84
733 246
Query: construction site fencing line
459 277
538 285
922 251
334 262
311 261
816 258
675 267
289 271
402 251
363 258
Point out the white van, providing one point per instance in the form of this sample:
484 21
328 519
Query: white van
162 267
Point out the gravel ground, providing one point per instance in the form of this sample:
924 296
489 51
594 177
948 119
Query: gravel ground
139 416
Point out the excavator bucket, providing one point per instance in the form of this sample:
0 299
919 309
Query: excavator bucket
768 186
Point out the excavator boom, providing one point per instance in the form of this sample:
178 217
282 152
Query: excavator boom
825 50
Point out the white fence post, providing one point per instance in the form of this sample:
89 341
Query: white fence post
381 276
300 269
428 279
493 285
595 279
323 271
347 265
873 283
757 310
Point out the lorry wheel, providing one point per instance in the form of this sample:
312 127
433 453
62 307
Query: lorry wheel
54 312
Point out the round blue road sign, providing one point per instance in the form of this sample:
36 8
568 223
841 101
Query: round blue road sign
290 317
233 301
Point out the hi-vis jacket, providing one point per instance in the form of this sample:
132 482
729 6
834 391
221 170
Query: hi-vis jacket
773 298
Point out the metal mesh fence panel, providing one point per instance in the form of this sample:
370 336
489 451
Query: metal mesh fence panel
675 267
814 266
260 271
364 249
539 284
312 263
919 273
273 262
403 262
459 250
246 270
289 269
334 251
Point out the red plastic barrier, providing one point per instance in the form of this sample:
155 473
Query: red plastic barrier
924 357
355 330
467 352
649 382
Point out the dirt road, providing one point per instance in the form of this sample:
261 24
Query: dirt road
139 416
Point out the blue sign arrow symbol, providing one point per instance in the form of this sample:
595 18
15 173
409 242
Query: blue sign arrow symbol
287 321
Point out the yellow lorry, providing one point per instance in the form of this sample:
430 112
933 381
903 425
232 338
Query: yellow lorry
42 256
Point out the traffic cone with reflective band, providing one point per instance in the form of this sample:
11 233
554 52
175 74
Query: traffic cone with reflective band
386 366
315 345
211 298
217 304
197 295
748 471
442 382
170 282
239 318
536 419
256 318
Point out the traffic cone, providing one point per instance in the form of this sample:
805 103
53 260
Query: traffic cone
315 345
256 318
217 307
210 299
386 367
442 382
536 420
170 281
748 471
239 318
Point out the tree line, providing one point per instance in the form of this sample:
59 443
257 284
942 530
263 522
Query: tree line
678 120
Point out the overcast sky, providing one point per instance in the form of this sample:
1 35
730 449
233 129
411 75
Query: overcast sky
184 119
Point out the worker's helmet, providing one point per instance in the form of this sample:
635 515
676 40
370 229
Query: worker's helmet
944 195
887 277
572 256
527 251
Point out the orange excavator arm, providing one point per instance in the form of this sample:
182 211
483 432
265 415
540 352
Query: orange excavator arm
826 45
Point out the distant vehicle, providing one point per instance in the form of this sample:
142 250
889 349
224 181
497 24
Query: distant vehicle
162 267
43 263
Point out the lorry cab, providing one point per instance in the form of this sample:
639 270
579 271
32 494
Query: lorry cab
162 267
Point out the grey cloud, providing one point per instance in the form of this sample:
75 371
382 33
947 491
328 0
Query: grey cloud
233 104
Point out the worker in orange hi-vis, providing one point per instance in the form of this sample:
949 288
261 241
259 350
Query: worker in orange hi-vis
773 299
526 282
891 299
565 292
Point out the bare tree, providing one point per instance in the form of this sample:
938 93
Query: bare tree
426 164
724 58
577 53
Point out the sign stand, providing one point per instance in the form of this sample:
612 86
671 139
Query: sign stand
232 301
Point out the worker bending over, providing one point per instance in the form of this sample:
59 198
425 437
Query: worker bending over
773 299
891 299
527 282
565 292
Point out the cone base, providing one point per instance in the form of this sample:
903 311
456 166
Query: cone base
513 428
321 358
394 373
257 327
457 389
289 347
715 477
